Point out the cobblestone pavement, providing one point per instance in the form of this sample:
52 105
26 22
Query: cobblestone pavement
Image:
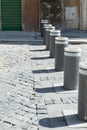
20 105
31 93
50 84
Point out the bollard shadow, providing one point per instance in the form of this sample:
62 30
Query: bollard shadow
53 122
44 71
39 50
51 89
40 58
57 89
45 90
39 71
9 42
71 120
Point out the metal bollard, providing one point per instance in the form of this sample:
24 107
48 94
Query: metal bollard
60 44
82 96
48 36
42 26
45 27
71 67
53 34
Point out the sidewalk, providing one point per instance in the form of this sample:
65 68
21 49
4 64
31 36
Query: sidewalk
50 84
32 96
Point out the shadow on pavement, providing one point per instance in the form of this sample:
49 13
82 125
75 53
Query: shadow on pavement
44 71
45 90
51 89
70 120
9 42
39 50
39 71
53 122
40 58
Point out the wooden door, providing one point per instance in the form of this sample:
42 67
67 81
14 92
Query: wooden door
31 15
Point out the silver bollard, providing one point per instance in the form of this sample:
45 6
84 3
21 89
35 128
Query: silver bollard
82 96
48 36
42 26
53 34
60 44
45 27
71 67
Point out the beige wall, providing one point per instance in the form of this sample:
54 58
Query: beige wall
83 14
0 14
71 14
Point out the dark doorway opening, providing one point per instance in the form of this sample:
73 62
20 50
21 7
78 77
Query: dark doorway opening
52 10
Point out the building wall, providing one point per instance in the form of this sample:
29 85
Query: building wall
29 15
68 13
71 12
0 15
83 14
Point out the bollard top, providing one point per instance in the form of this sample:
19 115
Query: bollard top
83 68
47 25
72 51
50 28
55 32
44 21
61 40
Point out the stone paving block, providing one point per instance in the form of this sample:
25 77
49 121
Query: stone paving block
41 107
4 126
35 123
19 112
56 101
65 100
41 111
74 99
30 105
41 116
72 119
26 126
18 117
45 78
43 128
11 120
14 128
48 102
33 128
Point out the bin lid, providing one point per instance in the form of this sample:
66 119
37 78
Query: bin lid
61 40
47 25
50 28
55 32
44 21
83 68
72 51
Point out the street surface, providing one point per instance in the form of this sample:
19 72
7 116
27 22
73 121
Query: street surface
32 96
